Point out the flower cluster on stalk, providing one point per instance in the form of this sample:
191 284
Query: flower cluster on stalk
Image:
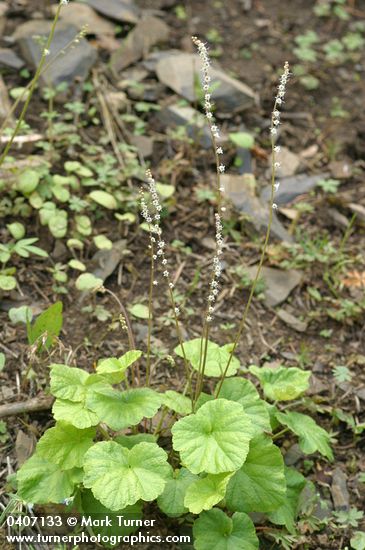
275 122
217 268
157 245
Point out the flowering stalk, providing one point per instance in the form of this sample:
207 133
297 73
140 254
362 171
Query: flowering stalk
275 122
34 81
220 169
157 246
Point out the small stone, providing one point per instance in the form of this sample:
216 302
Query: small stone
8 58
278 283
241 191
289 163
292 187
144 145
341 169
147 33
79 14
339 491
74 64
194 122
179 73
290 320
125 11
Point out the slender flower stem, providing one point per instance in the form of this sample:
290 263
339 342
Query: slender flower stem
150 305
275 121
45 52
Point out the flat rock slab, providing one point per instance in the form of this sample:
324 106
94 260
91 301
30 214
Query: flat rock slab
192 120
80 15
148 32
8 58
279 283
243 197
179 72
289 163
75 63
293 187
292 321
125 11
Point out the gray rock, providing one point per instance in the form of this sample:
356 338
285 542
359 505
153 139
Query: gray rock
120 10
75 63
150 63
144 145
8 58
243 197
194 122
289 163
278 283
291 320
148 32
5 104
293 187
179 72
293 455
339 491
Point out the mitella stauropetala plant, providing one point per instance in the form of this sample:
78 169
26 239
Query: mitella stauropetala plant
208 459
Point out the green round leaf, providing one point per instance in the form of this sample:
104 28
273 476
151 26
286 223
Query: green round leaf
22 314
88 282
215 439
58 224
102 242
282 383
28 181
113 369
42 482
217 357
16 229
259 485
177 402
205 493
68 382
171 502
312 437
119 477
7 282
83 226
120 410
165 190
104 199
214 529
244 392
242 139
76 264
75 413
65 445
139 310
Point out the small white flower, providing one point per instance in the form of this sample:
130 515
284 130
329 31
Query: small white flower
221 189
171 285
221 168
209 115
211 298
210 309
164 261
209 318
46 52
155 283
277 148
177 311
275 206
223 208
166 273
273 131
276 185
219 151
64 2
277 164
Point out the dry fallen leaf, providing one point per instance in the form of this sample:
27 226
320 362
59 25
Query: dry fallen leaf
354 279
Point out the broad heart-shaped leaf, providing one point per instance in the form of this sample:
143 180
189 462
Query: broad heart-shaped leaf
91 507
65 445
119 477
288 511
50 322
176 402
312 437
205 493
68 382
259 485
171 502
244 392
215 439
214 530
88 282
75 413
41 481
282 383
217 357
113 369
120 410
130 441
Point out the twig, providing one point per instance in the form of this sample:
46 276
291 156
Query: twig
32 405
